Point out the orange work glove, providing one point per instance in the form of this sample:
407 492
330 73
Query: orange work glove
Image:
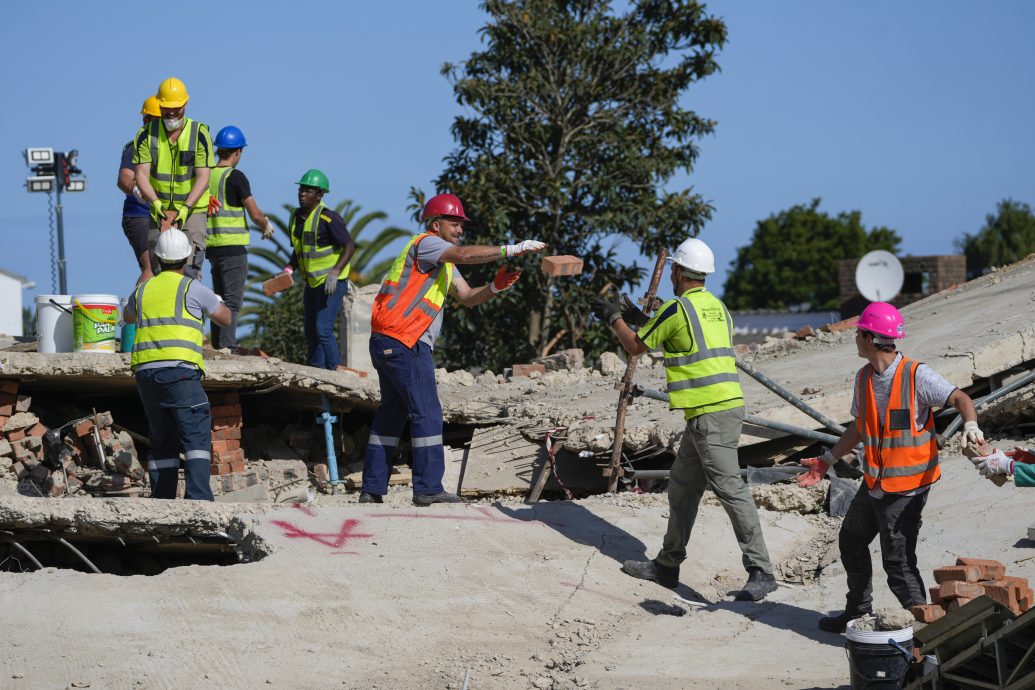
1022 455
504 279
213 206
817 469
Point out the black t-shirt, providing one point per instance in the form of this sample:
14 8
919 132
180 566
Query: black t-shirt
237 190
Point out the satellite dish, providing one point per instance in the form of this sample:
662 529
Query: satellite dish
879 276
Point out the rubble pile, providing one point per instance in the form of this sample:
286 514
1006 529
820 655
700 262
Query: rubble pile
969 579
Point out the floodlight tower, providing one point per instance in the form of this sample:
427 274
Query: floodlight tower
52 173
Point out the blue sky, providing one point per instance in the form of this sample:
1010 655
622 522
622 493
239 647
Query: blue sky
921 114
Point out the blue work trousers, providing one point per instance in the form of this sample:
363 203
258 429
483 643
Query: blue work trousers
408 389
321 312
178 420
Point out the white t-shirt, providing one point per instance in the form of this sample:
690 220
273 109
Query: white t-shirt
930 391
429 255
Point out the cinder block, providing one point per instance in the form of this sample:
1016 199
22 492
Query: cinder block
563 265
278 283
990 570
961 573
526 369
954 589
927 613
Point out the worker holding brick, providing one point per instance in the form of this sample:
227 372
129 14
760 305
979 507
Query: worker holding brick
135 211
695 332
168 365
1018 463
893 416
173 158
227 243
322 249
407 317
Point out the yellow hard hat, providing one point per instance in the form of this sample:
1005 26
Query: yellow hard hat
150 107
172 93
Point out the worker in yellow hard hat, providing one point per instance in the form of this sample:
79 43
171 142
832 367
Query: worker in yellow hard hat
173 157
135 211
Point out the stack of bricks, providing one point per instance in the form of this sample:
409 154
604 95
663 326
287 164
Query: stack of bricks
969 579
227 422
21 436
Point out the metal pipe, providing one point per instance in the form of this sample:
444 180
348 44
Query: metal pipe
77 552
954 425
9 538
753 419
328 430
790 397
647 474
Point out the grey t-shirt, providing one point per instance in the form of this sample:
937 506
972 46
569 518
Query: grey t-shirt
931 391
429 255
201 301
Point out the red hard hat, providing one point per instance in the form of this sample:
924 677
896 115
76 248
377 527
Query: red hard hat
444 205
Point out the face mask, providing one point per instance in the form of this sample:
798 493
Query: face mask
171 124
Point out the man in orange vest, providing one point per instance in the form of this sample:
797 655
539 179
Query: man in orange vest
406 319
892 407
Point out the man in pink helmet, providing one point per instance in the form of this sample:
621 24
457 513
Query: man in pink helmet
893 419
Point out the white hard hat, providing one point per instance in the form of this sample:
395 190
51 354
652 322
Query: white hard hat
694 255
172 245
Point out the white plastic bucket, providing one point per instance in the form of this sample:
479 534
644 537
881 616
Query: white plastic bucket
95 322
878 636
54 323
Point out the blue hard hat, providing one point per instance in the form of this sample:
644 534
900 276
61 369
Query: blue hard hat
230 138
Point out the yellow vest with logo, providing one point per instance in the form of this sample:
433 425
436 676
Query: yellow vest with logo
166 330
228 226
172 165
705 378
315 260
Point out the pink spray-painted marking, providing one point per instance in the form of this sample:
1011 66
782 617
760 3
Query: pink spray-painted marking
332 540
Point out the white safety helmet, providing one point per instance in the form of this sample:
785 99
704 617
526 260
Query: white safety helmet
694 255
172 246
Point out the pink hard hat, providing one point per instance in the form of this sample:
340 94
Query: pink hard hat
880 318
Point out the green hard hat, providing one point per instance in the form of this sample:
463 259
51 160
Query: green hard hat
315 178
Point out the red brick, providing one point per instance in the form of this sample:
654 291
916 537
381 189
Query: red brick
9 386
321 472
954 604
278 283
38 431
990 570
1005 593
936 594
805 332
927 613
1020 582
961 573
228 456
10 399
563 265
217 468
237 467
84 428
3 420
526 369
225 446
7 410
350 370
954 589
16 435
231 434
226 410
19 470
845 325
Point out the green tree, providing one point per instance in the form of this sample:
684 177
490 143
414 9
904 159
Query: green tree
276 322
792 258
1007 236
572 130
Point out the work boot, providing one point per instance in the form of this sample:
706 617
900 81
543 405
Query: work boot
664 575
365 497
759 583
839 623
440 497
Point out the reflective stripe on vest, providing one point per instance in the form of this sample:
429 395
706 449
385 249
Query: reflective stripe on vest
409 299
707 374
898 460
166 330
172 165
228 226
315 260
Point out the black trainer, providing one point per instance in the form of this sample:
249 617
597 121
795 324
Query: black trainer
664 575
441 497
370 498
758 584
838 624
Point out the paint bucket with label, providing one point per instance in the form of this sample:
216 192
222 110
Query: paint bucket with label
53 323
95 320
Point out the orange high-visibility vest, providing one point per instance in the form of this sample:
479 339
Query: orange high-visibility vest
410 299
898 456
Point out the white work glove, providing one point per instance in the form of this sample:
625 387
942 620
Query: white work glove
330 286
971 434
268 230
523 247
996 463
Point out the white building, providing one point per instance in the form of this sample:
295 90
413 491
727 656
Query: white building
11 286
